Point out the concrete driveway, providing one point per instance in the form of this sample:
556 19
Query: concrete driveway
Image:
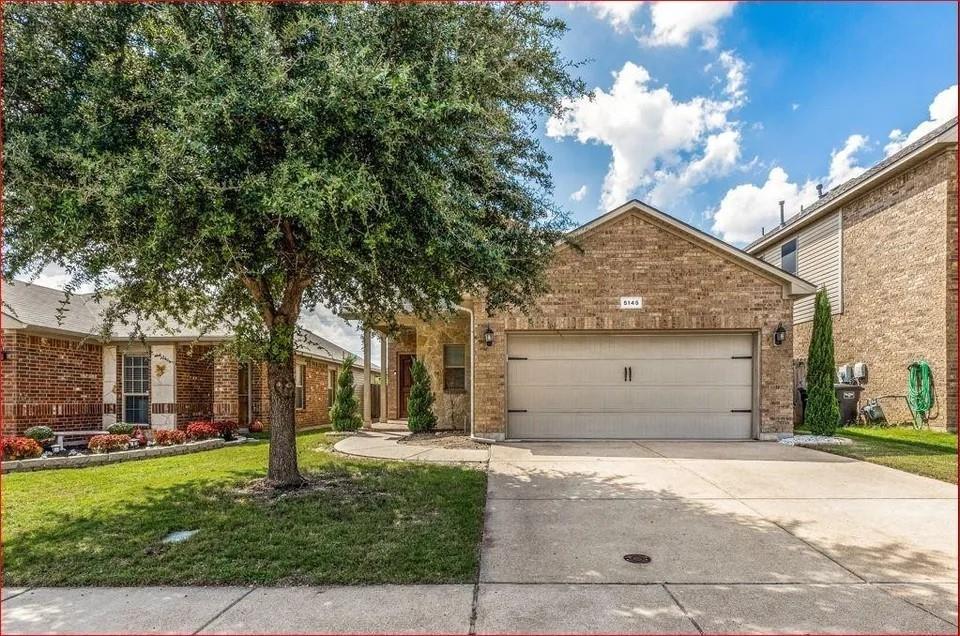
742 537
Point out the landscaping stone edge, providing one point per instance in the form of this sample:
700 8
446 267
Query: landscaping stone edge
78 461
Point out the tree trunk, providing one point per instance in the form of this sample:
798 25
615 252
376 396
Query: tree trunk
282 470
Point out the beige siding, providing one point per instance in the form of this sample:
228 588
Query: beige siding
818 261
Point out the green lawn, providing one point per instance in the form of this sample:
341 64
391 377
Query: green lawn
924 452
375 522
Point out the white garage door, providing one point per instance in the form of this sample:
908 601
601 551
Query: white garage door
697 386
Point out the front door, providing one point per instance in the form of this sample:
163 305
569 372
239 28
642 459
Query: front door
405 366
243 395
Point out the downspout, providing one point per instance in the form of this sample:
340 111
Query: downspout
470 311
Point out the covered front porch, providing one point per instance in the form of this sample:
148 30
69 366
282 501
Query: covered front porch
443 346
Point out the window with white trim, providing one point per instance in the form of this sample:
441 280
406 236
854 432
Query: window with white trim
300 376
454 367
788 257
136 389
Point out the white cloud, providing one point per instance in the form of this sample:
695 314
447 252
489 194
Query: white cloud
675 22
942 108
579 194
720 156
654 138
794 106
618 14
843 163
747 208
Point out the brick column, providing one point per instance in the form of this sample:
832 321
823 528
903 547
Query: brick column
225 378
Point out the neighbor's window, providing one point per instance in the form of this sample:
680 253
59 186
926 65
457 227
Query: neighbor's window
136 389
788 256
300 374
454 369
332 387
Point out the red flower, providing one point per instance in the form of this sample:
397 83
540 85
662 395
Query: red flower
202 430
20 448
108 443
169 438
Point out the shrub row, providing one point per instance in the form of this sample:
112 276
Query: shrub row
108 443
20 448
169 438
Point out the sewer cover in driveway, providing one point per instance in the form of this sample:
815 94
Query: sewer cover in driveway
636 558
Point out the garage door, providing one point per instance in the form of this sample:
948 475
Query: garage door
697 386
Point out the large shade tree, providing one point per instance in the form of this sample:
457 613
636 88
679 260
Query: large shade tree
242 162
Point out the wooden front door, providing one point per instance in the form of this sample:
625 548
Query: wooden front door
243 395
404 366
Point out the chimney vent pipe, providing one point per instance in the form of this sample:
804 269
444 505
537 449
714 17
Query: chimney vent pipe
819 190
782 221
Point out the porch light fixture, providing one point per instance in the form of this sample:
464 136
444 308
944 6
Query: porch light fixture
780 335
488 336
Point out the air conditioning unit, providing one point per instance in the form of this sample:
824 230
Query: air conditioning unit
845 374
860 371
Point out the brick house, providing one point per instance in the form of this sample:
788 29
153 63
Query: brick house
62 374
884 245
650 329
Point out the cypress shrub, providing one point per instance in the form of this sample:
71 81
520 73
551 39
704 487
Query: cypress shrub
822 414
345 413
420 416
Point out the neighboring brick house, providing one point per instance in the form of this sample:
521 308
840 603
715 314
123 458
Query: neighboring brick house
650 329
884 245
62 374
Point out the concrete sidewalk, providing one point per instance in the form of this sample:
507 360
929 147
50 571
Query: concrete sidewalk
495 609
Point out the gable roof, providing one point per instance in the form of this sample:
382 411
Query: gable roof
32 306
938 138
793 286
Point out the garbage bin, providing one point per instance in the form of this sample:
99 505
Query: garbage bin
848 397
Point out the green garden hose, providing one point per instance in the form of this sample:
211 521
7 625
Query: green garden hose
920 394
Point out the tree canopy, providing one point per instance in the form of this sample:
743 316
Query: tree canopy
241 161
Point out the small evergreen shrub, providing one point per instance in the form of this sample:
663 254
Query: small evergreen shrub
822 414
121 428
345 413
420 415
169 438
20 448
40 434
108 443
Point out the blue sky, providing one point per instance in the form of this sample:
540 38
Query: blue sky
722 109
813 79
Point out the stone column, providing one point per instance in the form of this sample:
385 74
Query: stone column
383 378
367 419
163 398
110 392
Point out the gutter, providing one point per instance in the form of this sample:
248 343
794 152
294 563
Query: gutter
472 392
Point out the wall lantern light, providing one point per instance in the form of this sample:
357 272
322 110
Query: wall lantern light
488 336
780 335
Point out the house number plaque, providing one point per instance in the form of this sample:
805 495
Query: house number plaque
631 302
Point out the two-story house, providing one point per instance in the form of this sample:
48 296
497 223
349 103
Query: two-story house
884 245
